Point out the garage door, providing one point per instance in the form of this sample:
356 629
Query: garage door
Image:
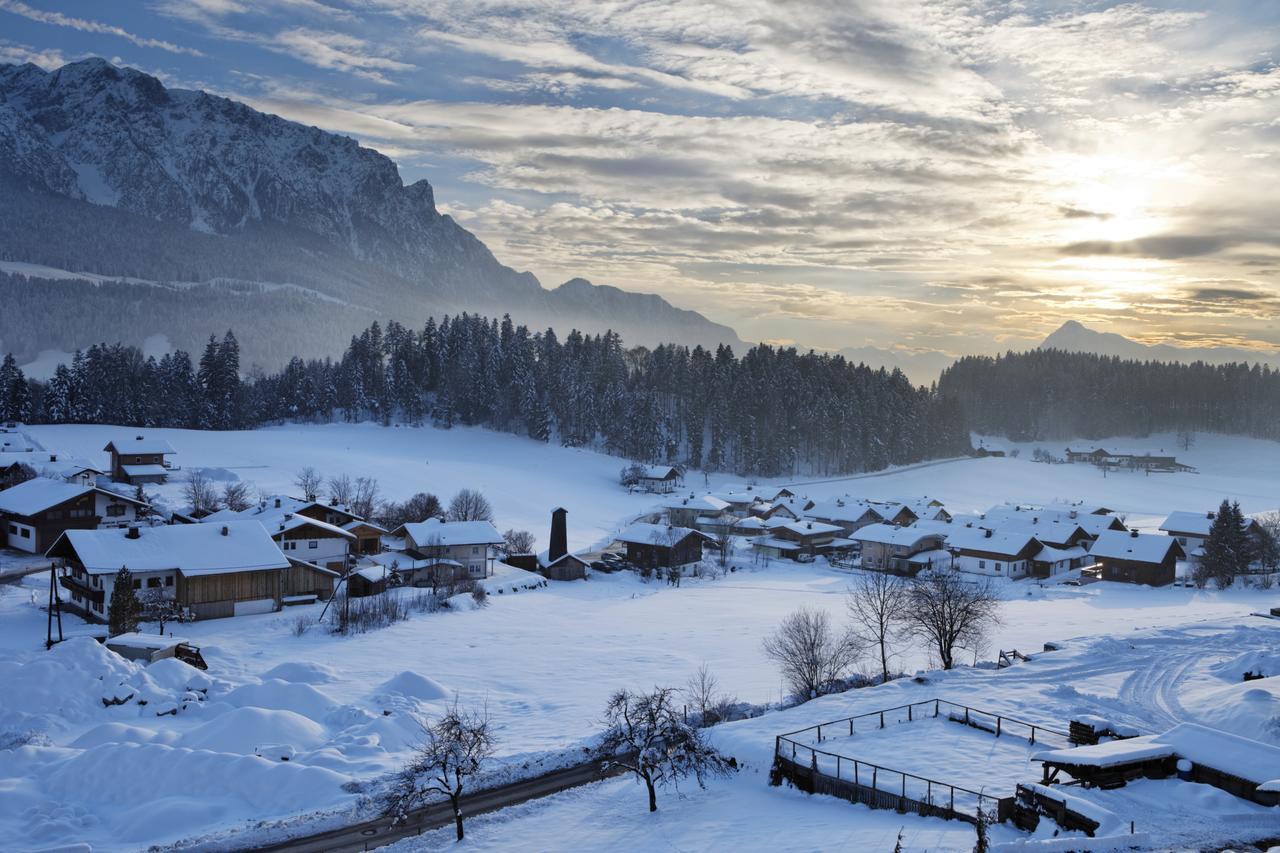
261 605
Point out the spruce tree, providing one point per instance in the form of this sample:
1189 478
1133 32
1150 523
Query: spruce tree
124 610
1219 560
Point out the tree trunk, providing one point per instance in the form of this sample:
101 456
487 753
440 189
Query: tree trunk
457 816
653 795
884 662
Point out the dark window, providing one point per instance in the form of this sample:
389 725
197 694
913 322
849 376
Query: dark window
53 514
26 534
115 510
168 580
152 583
137 583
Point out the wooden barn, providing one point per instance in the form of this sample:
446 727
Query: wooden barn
209 570
1133 557
557 563
139 459
661 545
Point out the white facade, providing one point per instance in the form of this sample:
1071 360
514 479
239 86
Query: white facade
22 537
995 567
321 550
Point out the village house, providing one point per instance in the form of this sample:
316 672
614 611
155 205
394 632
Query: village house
1092 523
1113 460
139 459
986 551
792 538
1191 529
886 547
55 466
659 479
209 570
662 545
301 536
464 549
1133 557
849 514
35 513
14 441
689 510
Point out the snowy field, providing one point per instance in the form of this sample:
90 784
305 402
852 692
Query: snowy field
545 660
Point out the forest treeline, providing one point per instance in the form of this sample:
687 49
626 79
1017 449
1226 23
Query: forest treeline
768 412
1056 395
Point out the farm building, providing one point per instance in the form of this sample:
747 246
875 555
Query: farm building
658 479
849 514
209 570
471 544
55 466
987 551
35 513
557 563
300 536
788 538
139 459
686 511
661 545
1191 529
1135 557
886 547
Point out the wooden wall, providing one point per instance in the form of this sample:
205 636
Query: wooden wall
234 586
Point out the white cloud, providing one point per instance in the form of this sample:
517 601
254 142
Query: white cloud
58 19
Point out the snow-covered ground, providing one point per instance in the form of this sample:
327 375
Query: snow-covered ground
545 660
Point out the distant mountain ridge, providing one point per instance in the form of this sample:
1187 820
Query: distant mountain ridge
106 171
1073 336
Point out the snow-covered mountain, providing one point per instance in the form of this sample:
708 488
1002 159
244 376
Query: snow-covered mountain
109 172
1075 337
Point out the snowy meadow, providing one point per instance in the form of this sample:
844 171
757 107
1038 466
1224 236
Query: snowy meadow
545 660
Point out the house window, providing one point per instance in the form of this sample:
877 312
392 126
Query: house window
53 514
475 549
115 510
288 545
982 564
137 583
313 544
152 583
168 580
13 528
26 534
999 566
97 606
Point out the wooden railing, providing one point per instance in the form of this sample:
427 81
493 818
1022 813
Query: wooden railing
821 771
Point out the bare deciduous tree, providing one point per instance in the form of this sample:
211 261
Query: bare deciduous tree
364 497
309 481
517 542
200 492
157 607
877 604
341 490
470 505
810 652
702 693
453 751
236 495
948 612
646 735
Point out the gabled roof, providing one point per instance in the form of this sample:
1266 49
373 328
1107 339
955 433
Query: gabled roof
701 503
998 541
193 549
890 534
843 509
52 463
37 495
1140 547
287 516
1091 523
805 527
659 472
433 531
643 533
360 522
1197 523
139 444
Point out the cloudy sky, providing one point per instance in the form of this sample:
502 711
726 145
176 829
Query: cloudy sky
954 175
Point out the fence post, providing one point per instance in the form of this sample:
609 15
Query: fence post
819 733
882 719
953 800
909 717
935 707
793 750
837 767
875 777
1033 734
966 715
851 727
855 773
928 796
999 720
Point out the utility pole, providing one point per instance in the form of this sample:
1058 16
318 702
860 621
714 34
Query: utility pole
55 607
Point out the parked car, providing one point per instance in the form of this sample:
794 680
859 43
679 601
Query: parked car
802 557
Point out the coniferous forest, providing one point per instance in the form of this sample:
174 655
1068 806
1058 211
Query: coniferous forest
1052 394
768 412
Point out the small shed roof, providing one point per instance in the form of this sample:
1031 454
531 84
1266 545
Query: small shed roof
145 470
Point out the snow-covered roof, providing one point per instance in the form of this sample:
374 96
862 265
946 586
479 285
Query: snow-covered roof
805 527
658 472
135 640
53 464
15 442
998 541
774 542
1194 523
1245 758
34 496
742 497
889 534
930 557
701 503
751 522
360 522
842 509
278 519
145 470
436 532
1091 523
1048 554
139 444
1141 547
193 549
643 533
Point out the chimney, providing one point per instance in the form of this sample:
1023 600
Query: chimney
53 457
137 438
559 535
133 532
1133 533
225 531
1209 515
1074 514
986 534
277 503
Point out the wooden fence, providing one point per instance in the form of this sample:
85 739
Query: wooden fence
819 771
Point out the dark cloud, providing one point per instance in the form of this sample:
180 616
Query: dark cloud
1228 294
1080 213
1164 247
